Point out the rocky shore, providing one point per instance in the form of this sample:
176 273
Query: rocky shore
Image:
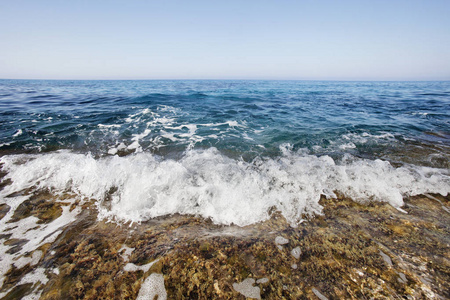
352 251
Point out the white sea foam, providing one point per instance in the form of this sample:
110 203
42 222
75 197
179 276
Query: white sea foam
262 280
126 254
112 151
167 126
33 260
351 140
248 289
211 185
347 146
136 138
319 294
366 137
33 235
279 240
137 116
37 275
164 123
130 267
109 126
153 286
296 252
170 136
19 132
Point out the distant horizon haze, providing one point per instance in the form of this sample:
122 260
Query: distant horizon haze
217 79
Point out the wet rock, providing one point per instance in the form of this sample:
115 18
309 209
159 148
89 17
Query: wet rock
195 259
4 209
42 205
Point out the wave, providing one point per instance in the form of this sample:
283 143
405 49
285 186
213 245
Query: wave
443 94
142 186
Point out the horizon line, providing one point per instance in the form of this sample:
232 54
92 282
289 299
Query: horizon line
234 79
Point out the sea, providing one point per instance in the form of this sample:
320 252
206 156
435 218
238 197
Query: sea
231 151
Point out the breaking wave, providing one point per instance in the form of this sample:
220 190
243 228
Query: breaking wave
207 183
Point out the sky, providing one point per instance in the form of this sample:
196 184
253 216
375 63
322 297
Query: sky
253 39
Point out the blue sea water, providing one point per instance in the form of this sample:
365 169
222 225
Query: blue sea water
219 148
240 118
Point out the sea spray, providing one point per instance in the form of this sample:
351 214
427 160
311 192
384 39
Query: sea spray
207 183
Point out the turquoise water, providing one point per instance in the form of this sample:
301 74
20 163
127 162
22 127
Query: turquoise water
226 150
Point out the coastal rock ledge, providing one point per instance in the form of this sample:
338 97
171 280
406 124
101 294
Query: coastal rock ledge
351 251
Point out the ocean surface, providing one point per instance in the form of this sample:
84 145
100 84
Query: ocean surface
231 151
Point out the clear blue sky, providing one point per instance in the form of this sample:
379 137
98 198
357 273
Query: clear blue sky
255 39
